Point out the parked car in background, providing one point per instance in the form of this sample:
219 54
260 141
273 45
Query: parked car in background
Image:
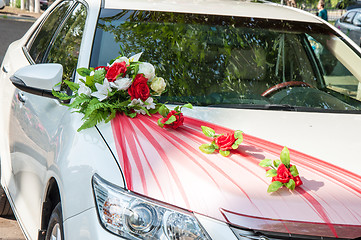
44 4
2 4
282 76
350 24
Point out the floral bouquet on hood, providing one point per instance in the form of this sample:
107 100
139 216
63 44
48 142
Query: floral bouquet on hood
125 85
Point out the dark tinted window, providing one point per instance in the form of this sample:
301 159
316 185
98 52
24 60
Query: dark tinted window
357 19
348 17
65 49
43 38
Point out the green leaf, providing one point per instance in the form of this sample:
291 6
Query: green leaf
238 141
207 148
160 124
163 110
171 120
294 171
188 105
177 109
238 135
266 163
83 72
99 76
224 153
271 173
291 184
285 157
274 186
89 81
235 145
93 119
209 132
276 163
61 95
215 145
73 86
131 115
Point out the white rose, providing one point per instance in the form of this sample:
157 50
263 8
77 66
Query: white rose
148 70
158 85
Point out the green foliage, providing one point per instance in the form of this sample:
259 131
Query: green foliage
209 132
207 148
274 186
285 157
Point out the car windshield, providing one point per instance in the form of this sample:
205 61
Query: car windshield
237 62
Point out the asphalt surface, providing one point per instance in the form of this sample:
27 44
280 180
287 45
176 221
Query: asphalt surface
11 29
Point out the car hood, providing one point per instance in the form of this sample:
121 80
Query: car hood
167 165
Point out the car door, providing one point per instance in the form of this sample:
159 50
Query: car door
38 122
346 23
355 34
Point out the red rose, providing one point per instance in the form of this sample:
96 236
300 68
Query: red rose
284 175
139 88
177 123
225 142
297 180
106 68
115 70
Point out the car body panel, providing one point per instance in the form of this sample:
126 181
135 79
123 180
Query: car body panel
230 8
167 165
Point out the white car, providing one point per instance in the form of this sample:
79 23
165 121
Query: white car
282 76
2 4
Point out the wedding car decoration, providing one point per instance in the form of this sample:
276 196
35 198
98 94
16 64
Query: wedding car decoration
223 143
126 85
172 119
283 173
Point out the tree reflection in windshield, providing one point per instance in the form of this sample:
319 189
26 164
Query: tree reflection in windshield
216 60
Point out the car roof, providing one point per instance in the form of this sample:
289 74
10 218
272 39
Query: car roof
239 8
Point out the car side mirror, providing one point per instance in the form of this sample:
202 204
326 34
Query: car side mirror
39 79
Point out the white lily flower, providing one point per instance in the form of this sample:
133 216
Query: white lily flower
121 83
103 90
148 70
140 103
83 89
135 102
135 58
122 59
150 104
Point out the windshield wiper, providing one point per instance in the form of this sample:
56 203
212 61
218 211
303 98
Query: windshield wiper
283 107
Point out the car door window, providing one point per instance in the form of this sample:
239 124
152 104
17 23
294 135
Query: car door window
348 17
357 20
65 49
40 43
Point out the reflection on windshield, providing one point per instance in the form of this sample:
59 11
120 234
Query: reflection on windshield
229 61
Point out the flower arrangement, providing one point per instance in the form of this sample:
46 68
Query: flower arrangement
172 119
283 173
126 85
223 143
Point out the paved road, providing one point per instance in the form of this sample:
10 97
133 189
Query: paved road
10 31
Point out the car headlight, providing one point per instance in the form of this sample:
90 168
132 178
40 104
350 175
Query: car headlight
136 217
